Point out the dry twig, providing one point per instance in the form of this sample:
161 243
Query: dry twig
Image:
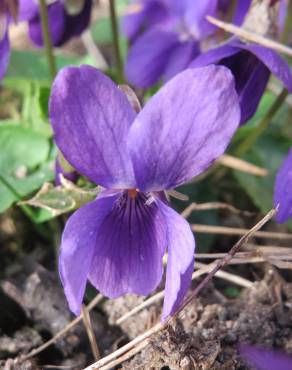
212 205
241 165
209 229
250 36
90 333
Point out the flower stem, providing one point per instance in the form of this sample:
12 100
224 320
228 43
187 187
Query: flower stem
115 34
246 144
47 38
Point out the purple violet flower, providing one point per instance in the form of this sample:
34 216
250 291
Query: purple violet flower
282 191
170 39
264 359
251 66
117 242
63 25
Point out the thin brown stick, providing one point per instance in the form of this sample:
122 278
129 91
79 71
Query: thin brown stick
249 36
208 229
267 251
213 205
241 165
62 332
90 332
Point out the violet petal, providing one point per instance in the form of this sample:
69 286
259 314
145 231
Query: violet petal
129 248
282 191
184 127
4 53
76 24
28 9
56 17
277 65
91 117
264 359
148 57
180 58
180 263
78 246
152 12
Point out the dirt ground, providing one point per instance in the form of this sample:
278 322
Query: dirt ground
34 309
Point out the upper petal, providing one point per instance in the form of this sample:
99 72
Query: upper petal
148 57
129 248
184 127
78 246
180 263
91 118
283 190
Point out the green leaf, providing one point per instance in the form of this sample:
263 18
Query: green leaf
61 199
33 65
24 163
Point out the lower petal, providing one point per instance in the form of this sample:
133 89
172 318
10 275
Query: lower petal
129 248
180 264
78 246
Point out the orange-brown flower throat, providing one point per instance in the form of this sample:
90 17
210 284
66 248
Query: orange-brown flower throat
133 193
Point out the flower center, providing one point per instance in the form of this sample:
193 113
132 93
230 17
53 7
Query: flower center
133 193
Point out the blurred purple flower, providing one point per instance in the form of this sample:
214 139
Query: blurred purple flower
282 191
8 11
118 240
166 36
251 66
63 25
264 359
